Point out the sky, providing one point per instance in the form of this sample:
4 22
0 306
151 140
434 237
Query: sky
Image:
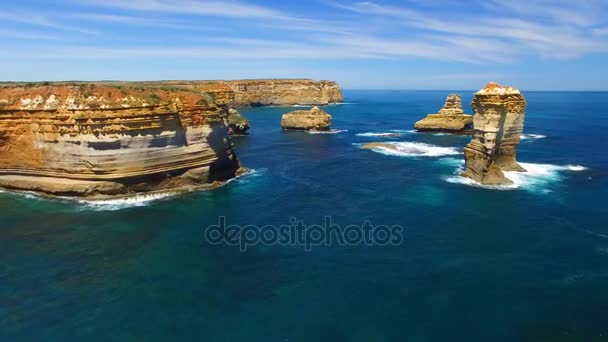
390 44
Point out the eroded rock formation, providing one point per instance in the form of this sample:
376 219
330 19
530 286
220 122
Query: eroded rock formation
314 119
284 92
100 140
498 123
237 123
450 119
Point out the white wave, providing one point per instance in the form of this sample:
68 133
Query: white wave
536 179
301 106
454 162
404 131
341 103
380 134
331 131
532 136
140 200
415 149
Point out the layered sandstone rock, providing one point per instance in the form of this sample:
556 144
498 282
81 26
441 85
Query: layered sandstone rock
314 119
284 92
450 119
498 123
237 123
100 140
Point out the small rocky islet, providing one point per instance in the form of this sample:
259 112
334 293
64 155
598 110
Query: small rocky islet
314 119
450 119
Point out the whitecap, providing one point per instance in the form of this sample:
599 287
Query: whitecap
379 134
404 131
139 200
415 149
536 179
301 106
331 131
532 136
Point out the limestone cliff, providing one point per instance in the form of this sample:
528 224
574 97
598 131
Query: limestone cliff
450 119
312 120
284 92
103 140
498 123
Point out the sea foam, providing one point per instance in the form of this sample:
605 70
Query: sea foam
536 179
379 134
141 200
532 136
415 149
331 131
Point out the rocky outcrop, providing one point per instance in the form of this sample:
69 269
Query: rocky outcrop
101 140
284 92
450 119
498 123
311 120
237 123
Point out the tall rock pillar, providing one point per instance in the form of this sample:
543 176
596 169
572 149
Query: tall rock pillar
498 123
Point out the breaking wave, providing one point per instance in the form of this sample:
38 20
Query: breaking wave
532 136
379 134
140 200
536 179
415 149
331 131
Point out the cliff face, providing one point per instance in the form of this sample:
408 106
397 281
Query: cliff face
284 92
450 119
497 127
99 140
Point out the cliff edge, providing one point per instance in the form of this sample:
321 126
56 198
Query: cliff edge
103 140
249 93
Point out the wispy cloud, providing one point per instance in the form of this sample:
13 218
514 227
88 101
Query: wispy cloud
481 35
565 32
20 35
42 21
192 7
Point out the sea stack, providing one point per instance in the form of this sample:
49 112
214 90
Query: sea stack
112 140
310 120
450 119
498 123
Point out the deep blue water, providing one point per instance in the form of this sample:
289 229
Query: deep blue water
529 264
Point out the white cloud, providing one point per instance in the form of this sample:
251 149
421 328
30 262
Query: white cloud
42 21
213 8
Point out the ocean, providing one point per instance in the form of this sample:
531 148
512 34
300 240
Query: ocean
527 262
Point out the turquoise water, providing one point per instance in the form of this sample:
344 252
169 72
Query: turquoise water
526 264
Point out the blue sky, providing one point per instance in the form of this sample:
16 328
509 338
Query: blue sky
407 44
